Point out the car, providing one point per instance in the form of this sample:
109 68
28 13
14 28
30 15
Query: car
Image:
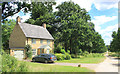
44 58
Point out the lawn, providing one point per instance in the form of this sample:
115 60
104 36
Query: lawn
40 67
85 60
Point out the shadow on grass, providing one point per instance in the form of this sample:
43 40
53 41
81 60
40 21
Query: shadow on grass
43 62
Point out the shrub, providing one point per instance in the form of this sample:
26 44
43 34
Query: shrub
73 56
95 55
23 67
68 51
68 56
28 50
85 53
10 64
60 56
63 51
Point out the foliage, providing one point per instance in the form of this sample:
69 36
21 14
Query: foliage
23 67
10 64
28 51
60 56
7 28
11 8
85 53
114 54
95 55
65 56
63 51
68 56
115 43
73 56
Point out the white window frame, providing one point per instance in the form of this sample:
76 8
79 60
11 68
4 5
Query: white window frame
41 41
48 41
33 51
33 41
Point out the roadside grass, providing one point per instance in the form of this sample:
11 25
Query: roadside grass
91 60
114 54
40 67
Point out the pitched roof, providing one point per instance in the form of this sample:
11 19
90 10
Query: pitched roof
34 31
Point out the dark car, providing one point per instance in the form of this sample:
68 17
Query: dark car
44 58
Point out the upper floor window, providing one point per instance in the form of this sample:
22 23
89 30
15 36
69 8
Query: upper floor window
41 41
48 41
34 41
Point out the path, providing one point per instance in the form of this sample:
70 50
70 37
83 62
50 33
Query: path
108 65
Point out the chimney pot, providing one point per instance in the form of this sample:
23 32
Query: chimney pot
44 25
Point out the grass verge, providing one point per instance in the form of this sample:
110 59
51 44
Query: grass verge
40 67
85 60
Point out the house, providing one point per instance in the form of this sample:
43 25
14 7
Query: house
38 37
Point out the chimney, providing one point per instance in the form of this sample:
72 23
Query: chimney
44 25
18 20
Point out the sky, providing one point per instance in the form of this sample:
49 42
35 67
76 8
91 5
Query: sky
104 14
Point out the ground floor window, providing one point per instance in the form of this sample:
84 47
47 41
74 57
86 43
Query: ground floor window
33 51
48 50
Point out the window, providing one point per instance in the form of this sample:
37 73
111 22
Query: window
48 41
47 51
33 51
34 41
41 41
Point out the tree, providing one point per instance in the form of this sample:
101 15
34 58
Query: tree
11 8
115 43
7 28
28 50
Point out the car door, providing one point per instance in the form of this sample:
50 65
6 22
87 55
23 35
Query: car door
42 58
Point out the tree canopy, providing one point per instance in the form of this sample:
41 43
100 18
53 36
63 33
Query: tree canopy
71 27
115 43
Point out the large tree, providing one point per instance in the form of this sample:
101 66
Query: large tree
115 43
7 28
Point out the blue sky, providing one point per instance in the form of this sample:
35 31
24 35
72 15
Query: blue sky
104 14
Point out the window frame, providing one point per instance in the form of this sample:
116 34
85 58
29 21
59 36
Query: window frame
33 51
41 41
48 41
33 41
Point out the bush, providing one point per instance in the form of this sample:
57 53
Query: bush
95 55
63 51
68 56
73 56
23 67
85 53
10 64
28 50
60 56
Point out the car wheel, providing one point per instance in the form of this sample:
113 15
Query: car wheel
33 60
46 61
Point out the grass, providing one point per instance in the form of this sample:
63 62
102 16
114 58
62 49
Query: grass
85 60
38 67
114 54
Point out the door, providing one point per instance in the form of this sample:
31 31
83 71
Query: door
19 54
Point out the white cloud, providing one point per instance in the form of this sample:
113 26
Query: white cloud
107 32
103 19
105 4
23 18
83 3
99 4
